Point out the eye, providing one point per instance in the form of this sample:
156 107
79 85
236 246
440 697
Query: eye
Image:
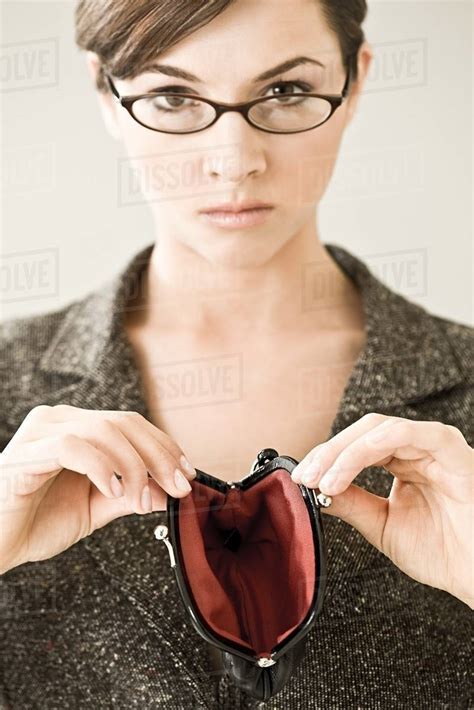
283 86
172 101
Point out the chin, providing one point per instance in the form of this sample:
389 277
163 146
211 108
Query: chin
238 249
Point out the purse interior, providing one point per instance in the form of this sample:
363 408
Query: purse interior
249 559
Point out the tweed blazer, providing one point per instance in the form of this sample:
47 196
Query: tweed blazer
102 625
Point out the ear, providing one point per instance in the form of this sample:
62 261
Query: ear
364 60
107 104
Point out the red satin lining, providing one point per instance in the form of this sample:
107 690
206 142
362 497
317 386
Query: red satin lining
257 594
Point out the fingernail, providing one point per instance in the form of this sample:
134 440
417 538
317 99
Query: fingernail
181 481
116 487
187 466
313 470
146 499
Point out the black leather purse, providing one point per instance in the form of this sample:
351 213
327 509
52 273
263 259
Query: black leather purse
249 562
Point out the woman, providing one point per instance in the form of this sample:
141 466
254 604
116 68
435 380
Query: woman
233 332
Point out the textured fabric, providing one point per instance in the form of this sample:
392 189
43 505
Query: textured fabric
102 625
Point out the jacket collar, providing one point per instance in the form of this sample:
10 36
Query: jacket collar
407 354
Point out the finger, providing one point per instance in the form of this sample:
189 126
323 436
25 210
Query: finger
162 465
127 462
323 455
134 452
105 437
30 464
65 412
402 439
165 441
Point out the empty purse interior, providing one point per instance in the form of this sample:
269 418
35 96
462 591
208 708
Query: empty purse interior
249 558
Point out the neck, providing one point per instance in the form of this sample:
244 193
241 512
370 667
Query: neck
300 287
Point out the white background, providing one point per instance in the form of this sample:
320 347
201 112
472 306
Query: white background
400 197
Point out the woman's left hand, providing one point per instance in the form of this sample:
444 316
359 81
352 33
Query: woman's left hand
425 526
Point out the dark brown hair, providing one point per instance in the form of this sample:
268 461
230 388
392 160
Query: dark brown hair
128 34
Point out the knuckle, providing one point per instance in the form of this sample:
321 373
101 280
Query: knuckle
127 413
105 428
373 417
115 413
39 412
66 440
61 408
455 432
135 417
440 428
403 427
403 423
103 466
126 416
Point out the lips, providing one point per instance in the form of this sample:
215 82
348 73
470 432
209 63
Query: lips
235 208
238 220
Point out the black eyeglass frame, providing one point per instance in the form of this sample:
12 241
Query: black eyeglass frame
243 107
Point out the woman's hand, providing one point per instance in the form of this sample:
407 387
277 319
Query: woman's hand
425 526
58 482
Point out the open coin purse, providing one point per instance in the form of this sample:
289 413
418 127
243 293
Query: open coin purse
249 562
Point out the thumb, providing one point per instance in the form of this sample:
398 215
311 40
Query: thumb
365 511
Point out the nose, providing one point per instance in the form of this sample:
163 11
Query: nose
236 152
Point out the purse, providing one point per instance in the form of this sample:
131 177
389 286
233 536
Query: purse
249 562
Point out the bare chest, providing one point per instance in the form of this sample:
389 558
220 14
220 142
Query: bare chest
223 407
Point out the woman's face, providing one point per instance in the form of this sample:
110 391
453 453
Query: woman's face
231 161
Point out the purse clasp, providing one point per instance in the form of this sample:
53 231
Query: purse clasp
263 457
161 533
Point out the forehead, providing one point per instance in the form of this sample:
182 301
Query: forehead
252 35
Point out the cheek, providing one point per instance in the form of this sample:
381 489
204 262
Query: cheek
161 167
307 163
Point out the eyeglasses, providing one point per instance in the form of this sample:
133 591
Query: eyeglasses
169 112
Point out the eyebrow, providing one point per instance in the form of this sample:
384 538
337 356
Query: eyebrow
187 76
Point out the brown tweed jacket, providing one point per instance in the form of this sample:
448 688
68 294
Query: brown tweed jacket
101 625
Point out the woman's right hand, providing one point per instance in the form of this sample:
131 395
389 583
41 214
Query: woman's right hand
58 483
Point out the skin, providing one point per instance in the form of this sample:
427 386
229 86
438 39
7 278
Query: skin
257 274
